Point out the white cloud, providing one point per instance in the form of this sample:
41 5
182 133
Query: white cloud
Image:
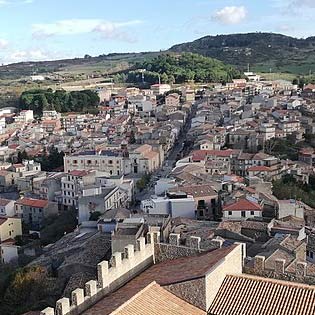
33 54
3 43
231 15
107 29
14 2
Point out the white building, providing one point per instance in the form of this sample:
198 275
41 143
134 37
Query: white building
8 252
174 204
242 210
159 89
7 207
290 207
25 116
163 185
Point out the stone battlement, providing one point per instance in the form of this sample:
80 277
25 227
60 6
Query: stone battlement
123 267
296 271
110 276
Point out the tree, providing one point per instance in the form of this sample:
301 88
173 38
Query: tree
132 138
22 155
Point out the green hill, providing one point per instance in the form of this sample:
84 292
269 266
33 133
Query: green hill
181 68
262 51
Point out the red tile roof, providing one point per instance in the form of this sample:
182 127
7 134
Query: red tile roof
242 205
78 173
4 202
37 203
200 155
259 169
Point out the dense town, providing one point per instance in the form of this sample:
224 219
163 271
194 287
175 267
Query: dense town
173 193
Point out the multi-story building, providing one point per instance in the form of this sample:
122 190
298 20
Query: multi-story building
143 159
7 207
10 227
34 211
78 183
159 89
172 100
25 116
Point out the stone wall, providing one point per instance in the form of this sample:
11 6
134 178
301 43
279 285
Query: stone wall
300 275
193 291
124 267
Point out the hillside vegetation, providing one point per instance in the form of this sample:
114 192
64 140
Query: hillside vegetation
180 69
60 100
263 51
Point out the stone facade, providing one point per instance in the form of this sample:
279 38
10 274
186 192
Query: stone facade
193 292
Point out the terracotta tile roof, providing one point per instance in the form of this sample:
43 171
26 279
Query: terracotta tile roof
249 295
37 203
78 173
155 300
243 204
199 155
2 220
164 273
4 202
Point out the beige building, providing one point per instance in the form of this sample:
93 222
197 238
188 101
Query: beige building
9 228
8 178
172 100
143 159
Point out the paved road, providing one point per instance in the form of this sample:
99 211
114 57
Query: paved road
170 161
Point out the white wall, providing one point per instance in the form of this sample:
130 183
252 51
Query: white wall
8 210
238 215
8 253
183 208
162 185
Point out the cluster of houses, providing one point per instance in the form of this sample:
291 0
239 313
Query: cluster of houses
217 194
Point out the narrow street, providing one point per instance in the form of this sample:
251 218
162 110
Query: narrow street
170 160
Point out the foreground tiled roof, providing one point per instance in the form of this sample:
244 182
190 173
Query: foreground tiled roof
164 273
247 295
155 300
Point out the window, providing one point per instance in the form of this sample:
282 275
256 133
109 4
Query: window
311 255
252 213
230 212
75 162
110 162
243 214
201 213
89 162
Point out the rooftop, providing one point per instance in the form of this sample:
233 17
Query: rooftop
248 295
155 300
37 203
243 204
164 273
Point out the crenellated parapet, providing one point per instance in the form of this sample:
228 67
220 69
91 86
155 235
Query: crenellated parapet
110 276
296 271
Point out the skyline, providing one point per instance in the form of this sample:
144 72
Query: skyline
34 30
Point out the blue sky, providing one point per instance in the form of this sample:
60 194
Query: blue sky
53 29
